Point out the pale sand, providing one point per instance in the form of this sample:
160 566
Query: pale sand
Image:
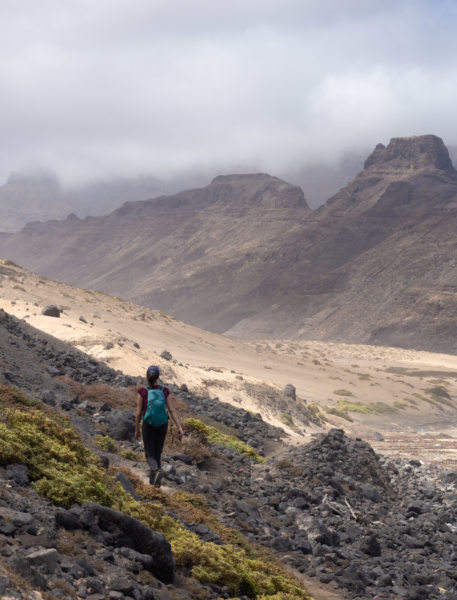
212 364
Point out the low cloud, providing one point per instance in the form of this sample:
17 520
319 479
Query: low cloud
92 89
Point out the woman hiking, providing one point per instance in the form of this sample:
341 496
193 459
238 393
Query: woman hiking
154 404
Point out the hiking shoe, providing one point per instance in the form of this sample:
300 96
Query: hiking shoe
152 476
157 478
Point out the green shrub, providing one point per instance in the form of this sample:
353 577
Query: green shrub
338 412
212 436
343 408
129 454
381 408
61 467
366 409
434 399
105 442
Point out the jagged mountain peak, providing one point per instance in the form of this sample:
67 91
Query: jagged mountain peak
411 154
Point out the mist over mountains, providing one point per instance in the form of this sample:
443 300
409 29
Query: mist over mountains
246 254
41 195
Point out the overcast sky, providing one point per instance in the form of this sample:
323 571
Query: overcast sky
92 88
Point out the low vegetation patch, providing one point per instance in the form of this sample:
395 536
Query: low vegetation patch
12 397
60 466
105 442
343 408
101 393
9 263
400 404
423 398
287 419
316 411
364 376
412 402
211 435
130 454
219 383
343 414
343 393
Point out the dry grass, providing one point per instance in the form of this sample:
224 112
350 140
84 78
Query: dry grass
102 393
70 543
194 447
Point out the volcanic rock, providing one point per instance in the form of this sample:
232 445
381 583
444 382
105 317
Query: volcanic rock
51 311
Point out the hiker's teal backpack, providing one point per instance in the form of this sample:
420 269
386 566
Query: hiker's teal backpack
156 408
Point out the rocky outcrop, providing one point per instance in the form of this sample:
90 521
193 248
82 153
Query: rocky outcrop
158 557
51 311
410 154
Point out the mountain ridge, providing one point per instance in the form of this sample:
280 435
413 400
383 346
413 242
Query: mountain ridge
247 256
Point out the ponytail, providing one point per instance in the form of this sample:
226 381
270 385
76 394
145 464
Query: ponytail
152 379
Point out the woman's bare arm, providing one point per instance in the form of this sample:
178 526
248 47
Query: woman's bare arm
139 412
174 415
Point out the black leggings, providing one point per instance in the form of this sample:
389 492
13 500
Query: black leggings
153 440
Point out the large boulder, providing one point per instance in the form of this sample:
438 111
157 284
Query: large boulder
290 391
121 424
139 537
51 311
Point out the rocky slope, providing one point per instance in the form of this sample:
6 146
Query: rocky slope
349 522
246 255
